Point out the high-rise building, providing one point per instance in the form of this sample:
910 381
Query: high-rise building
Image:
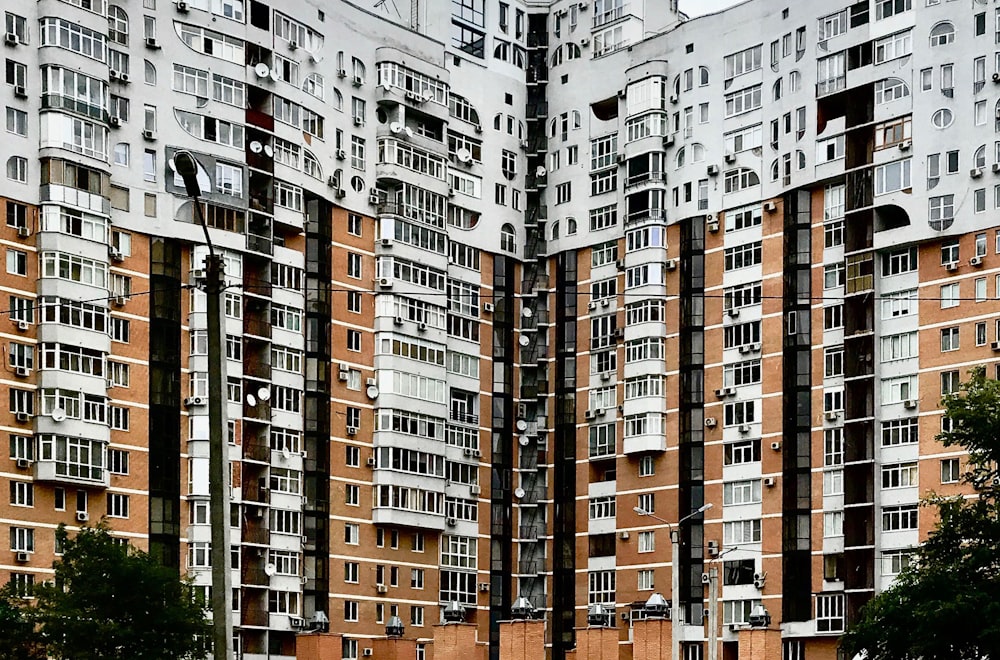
503 278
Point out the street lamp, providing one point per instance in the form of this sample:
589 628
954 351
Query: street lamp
186 166
675 576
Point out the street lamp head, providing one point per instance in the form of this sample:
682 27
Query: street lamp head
704 507
186 166
640 511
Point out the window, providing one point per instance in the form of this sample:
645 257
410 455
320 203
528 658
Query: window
942 118
743 100
645 579
833 524
830 616
895 45
949 295
22 493
950 382
739 532
17 121
647 541
17 262
942 34
352 534
601 587
741 492
949 339
941 211
741 256
118 505
892 177
898 518
900 475
17 169
22 539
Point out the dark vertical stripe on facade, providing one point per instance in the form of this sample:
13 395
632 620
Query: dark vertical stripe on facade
319 232
796 443
502 467
691 438
564 460
165 401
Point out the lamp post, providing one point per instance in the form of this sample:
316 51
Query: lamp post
186 166
675 576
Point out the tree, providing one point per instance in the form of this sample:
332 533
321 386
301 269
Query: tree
18 640
111 601
945 605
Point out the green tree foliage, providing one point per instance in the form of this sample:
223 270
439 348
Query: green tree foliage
18 640
110 601
946 604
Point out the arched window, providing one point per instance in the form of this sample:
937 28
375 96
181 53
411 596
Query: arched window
776 90
573 52
679 163
703 75
577 119
555 230
557 57
553 126
800 159
794 81
740 179
150 72
311 166
117 25
890 89
697 152
942 34
518 57
774 170
498 121
17 169
508 238
313 85
338 100
979 158
570 226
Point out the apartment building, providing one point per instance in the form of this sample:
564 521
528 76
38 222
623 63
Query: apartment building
512 288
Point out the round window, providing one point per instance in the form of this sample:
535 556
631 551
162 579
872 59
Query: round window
942 118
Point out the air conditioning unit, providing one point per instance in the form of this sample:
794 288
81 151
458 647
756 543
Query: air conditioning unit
951 266
148 135
732 312
292 44
976 261
590 414
23 325
116 255
22 557
422 327
385 283
342 376
776 446
467 451
123 77
668 140
744 428
352 430
475 490
371 461
82 516
114 74
120 301
151 43
488 307
710 422
724 392
905 145
23 463
671 264
341 73
381 588
769 481
194 401
713 548
996 77
182 6
910 404
374 199
484 587
770 207
606 376
620 264
673 99
476 453
359 121
22 372
451 522
371 382
398 320
296 622
730 158
20 91
23 232
713 170
605 302
341 155
995 346
996 168
366 653
759 579
976 172
11 39
115 122
357 81
831 415
592 305
712 225
22 416
340 193
744 349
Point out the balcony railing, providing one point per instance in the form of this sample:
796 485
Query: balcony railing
464 417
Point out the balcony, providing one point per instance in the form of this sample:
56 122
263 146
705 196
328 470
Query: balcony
464 417
260 244
644 443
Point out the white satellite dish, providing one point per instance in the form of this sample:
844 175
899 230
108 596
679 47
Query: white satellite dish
372 392
256 147
523 340
540 171
464 155
519 492
523 441
262 70
269 151
263 393
275 76
427 95
251 400
522 425
285 454
270 569
395 127
408 131
58 415
527 312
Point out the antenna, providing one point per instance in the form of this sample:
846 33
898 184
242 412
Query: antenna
395 127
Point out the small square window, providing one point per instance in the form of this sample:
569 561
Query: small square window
354 340
354 224
647 466
352 457
354 302
17 262
950 471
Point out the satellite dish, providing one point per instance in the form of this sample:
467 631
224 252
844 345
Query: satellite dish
269 151
395 127
256 147
372 392
251 400
540 171
523 340
527 312
270 569
58 415
408 131
427 95
285 454
274 75
464 155
523 441
518 492
261 70
316 58
263 393
522 425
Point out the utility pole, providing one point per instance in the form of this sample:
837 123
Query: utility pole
713 613
218 460
675 574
